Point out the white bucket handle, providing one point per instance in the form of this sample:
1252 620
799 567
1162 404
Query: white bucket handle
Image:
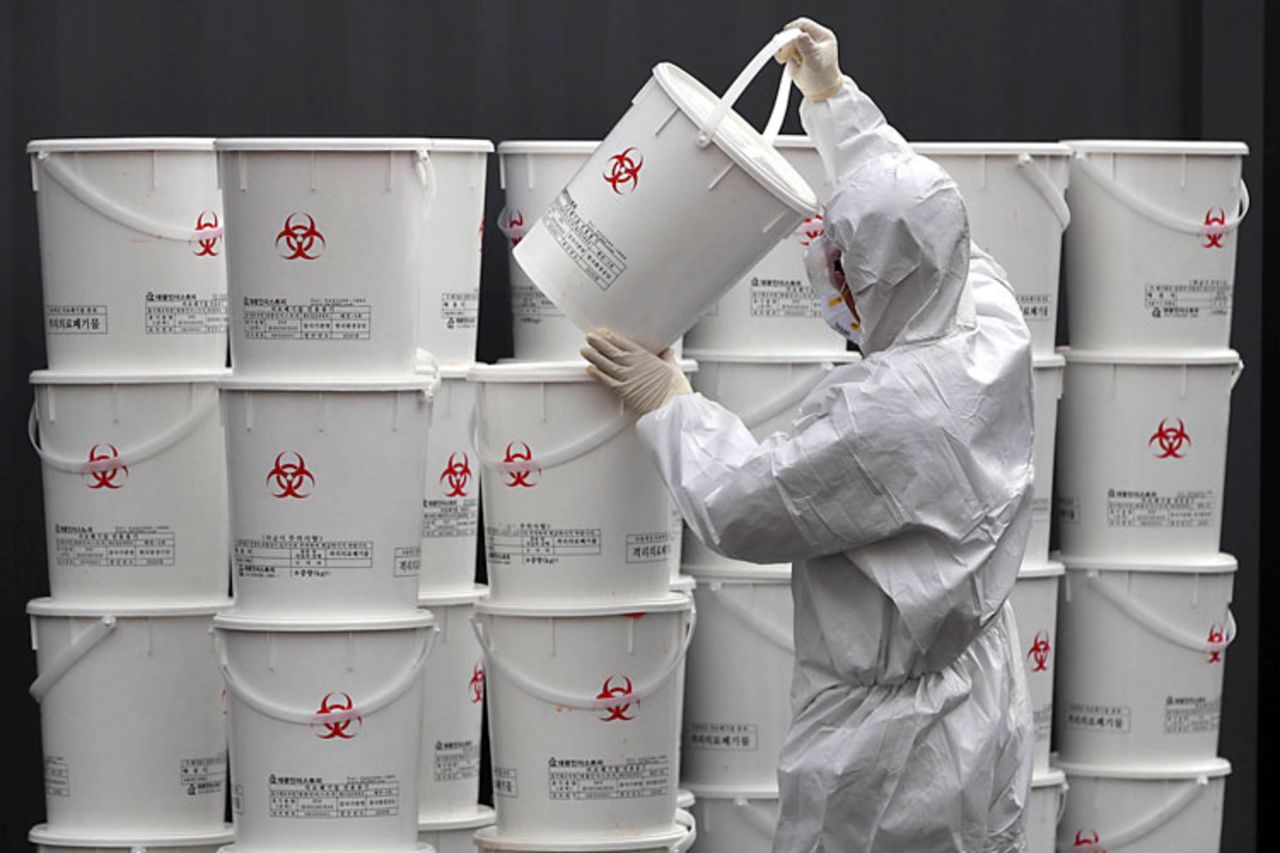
1063 790
754 818
1157 214
118 213
426 176
789 399
504 225
707 131
67 658
132 456
1158 626
1190 791
426 364
686 819
1038 178
766 630
552 696
397 688
598 437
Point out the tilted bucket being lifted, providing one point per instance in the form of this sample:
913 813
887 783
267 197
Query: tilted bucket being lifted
678 202
451 503
1035 604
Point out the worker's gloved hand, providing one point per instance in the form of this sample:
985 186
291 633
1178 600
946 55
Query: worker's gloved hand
814 58
644 381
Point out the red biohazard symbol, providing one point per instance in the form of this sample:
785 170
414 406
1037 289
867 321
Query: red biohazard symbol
340 730
1088 840
624 171
300 241
106 479
515 221
458 474
520 478
206 247
290 477
610 690
811 229
1170 440
1217 636
1040 652
477 684
1214 216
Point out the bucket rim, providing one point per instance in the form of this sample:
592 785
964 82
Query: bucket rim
795 141
482 816
1157 146
46 376
746 573
782 180
100 144
451 370
93 609
1054 777
1155 358
1214 768
548 146
322 143
992 149
459 145
1045 361
684 584
42 833
685 799
418 382
1051 569
544 371
729 792
672 602
488 838
1218 564
450 598
750 357
249 623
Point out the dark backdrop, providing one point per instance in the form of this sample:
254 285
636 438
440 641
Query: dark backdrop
978 70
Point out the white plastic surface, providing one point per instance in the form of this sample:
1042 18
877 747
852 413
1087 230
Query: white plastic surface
453 835
451 502
1035 604
1143 450
46 840
326 497
1048 799
735 821
1047 387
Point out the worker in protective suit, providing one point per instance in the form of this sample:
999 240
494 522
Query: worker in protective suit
902 494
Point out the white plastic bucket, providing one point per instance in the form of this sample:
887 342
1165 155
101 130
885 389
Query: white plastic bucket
135 486
1044 809
1047 387
678 202
453 689
46 840
679 839
131 718
532 172
1142 649
734 819
1013 193
326 494
1135 811
1035 604
326 718
765 390
417 848
454 834
132 254
451 502
574 509
738 683
584 716
329 251
773 308
1151 252
1143 444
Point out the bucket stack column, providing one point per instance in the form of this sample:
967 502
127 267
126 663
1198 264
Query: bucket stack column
126 425
1145 617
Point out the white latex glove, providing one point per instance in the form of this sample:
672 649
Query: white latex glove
814 58
642 380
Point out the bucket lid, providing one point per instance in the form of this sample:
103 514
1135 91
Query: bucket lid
427 600
742 142
991 149
1213 768
740 573
122 143
322 143
390 383
234 621
672 602
1158 358
1156 146
489 839
459 146
545 371
1218 564
728 357
548 146
685 799
1051 569
96 609
1057 360
481 816
450 370
1051 778
683 583
732 792
62 377
43 834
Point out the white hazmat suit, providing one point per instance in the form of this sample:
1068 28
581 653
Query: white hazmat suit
903 495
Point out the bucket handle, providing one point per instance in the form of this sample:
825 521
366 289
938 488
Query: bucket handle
508 230
147 449
1153 821
552 696
749 620
426 176
397 688
707 131
1038 178
790 398
1158 626
686 819
68 657
753 817
1158 214
551 459
1063 790
118 213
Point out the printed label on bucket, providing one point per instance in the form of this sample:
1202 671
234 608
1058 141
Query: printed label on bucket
455 760
306 797
185 314
1192 715
1136 508
75 319
720 736
504 782
450 519
57 776
540 544
598 779
530 305
1200 297
1043 720
133 546
585 244
1098 718
784 298
299 556
328 319
199 776
649 547
1036 307
408 561
460 310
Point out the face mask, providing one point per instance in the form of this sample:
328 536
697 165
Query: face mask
839 309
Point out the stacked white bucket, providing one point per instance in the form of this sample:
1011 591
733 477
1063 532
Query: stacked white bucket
1145 609
126 425
353 271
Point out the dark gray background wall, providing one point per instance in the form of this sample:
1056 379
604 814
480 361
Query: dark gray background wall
504 69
